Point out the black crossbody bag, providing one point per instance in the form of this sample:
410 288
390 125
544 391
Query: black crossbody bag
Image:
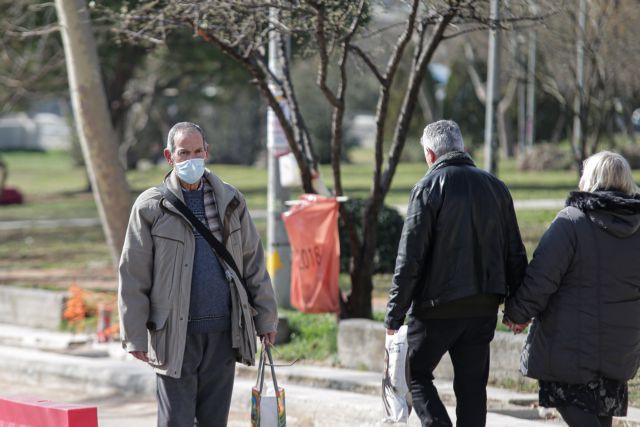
204 231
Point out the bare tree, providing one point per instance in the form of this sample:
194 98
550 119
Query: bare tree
611 54
31 58
97 137
32 63
506 99
335 30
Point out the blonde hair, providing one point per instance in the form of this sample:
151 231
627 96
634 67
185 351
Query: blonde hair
607 171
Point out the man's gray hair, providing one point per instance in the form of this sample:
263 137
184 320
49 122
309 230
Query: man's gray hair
183 127
442 137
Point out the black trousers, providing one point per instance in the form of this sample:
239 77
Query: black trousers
467 341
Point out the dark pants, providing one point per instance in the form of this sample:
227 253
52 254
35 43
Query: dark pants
202 395
467 341
576 417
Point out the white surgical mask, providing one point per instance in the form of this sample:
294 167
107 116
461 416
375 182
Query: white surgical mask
190 171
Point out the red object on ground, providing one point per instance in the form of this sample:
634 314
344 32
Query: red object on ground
33 412
312 227
10 196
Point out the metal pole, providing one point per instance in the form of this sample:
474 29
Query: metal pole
578 99
493 81
278 248
522 96
531 84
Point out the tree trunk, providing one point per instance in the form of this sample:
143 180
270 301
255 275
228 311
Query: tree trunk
559 127
504 128
93 122
503 135
359 301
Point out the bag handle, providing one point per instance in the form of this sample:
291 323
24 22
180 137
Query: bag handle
204 231
266 351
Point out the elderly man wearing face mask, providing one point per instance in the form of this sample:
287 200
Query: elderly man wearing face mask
186 309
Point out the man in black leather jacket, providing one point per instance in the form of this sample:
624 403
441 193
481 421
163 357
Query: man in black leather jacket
460 254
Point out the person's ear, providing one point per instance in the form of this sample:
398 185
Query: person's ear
167 156
430 155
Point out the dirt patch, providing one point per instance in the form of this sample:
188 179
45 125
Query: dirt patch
95 278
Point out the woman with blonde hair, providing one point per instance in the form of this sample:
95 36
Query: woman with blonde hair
582 288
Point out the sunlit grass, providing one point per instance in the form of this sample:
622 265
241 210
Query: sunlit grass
56 189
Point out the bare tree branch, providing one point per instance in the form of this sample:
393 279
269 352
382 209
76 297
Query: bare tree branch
363 56
478 86
25 33
324 56
297 120
261 80
383 99
336 129
408 104
339 106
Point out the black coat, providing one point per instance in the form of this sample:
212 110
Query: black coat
460 238
583 287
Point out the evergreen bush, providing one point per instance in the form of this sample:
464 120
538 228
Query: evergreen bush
390 224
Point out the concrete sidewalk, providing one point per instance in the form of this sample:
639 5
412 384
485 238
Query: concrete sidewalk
90 369
124 391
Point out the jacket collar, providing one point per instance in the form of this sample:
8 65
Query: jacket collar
616 213
452 158
223 195
604 200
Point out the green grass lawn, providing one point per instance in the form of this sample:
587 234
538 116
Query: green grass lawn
533 224
55 188
38 174
313 337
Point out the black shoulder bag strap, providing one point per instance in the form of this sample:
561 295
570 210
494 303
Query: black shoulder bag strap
204 231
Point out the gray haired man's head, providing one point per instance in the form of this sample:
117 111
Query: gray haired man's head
180 128
442 137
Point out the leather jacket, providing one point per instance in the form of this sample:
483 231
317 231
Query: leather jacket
460 238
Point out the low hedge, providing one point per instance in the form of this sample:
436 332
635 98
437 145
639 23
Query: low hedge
389 229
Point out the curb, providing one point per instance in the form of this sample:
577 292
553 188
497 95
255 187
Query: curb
131 377
79 373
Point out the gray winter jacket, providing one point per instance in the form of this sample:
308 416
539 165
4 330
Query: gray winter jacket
583 288
155 277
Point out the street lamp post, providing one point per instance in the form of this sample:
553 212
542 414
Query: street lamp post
579 98
278 248
493 81
531 84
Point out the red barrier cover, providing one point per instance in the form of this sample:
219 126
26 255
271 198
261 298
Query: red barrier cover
27 411
312 226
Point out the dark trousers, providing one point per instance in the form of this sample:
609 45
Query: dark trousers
202 395
467 341
576 417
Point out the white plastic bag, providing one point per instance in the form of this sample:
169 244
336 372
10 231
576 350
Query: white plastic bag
289 171
396 397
